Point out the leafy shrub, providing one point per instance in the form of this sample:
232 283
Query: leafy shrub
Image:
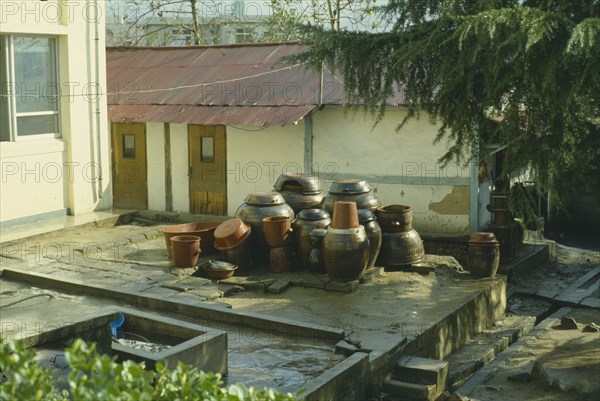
99 377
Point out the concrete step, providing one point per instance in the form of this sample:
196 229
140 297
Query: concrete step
402 391
484 347
413 369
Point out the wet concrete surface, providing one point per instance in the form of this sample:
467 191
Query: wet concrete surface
391 309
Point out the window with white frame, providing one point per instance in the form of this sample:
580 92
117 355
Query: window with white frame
29 88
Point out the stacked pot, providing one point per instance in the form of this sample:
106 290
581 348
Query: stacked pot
306 221
232 240
346 246
255 208
300 191
353 190
401 244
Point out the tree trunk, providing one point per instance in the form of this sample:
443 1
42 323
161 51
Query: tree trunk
196 22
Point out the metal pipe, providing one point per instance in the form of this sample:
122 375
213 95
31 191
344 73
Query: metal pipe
98 166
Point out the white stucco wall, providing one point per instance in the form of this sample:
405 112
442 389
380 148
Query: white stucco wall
179 167
82 153
155 160
257 156
402 167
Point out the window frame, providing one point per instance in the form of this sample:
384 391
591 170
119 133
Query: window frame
10 79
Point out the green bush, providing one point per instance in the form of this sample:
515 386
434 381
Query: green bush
99 377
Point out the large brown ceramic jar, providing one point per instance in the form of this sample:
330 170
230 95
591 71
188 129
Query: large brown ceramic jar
401 244
368 220
353 190
345 253
306 221
483 255
255 208
300 191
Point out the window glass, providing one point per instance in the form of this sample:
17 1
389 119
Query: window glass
35 75
4 85
208 149
34 125
128 146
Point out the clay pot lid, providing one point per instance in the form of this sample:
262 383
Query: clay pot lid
394 209
231 233
365 216
264 198
483 238
297 181
350 187
313 214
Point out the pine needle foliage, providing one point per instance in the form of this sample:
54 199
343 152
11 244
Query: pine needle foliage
494 72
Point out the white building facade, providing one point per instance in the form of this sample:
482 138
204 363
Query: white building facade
54 149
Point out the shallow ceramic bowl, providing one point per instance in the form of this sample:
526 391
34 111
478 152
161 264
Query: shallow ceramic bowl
204 230
219 273
231 233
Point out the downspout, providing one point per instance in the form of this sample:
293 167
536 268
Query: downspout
98 164
474 198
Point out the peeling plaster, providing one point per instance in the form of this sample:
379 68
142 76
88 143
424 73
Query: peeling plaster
456 202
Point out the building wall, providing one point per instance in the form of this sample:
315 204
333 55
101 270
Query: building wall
30 185
155 143
257 156
179 167
402 167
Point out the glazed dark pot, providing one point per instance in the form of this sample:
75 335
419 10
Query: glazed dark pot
345 253
300 191
402 248
483 256
395 218
368 220
255 208
357 191
306 221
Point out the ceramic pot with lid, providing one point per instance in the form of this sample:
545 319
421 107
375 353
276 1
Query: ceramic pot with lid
483 256
352 190
368 220
255 208
345 253
300 191
307 221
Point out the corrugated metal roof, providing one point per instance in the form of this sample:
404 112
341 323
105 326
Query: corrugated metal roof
207 80
209 115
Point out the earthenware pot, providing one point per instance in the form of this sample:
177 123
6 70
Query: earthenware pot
204 230
230 233
345 253
240 254
185 250
256 207
401 248
306 221
280 259
395 218
277 230
368 220
483 256
219 270
357 191
300 191
345 215
315 258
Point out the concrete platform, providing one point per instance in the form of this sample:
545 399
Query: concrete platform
391 315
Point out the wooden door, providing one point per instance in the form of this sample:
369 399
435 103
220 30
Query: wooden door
130 183
207 169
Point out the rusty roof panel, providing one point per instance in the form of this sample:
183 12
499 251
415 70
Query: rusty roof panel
209 115
248 76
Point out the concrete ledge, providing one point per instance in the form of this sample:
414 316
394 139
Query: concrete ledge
345 381
170 304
